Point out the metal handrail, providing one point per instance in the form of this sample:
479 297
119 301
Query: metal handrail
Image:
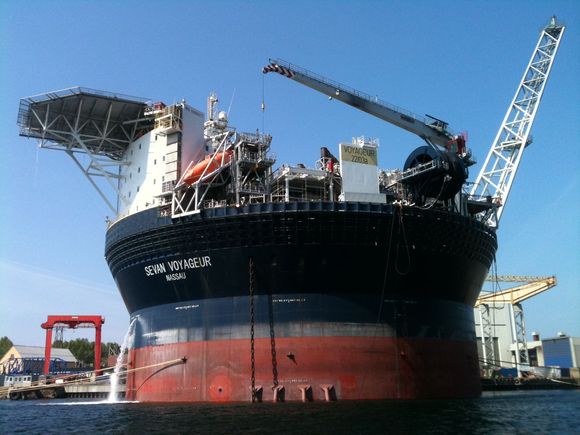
348 89
77 90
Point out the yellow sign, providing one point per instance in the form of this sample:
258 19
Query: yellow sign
354 154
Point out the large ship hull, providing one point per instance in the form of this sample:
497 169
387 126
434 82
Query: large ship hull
347 301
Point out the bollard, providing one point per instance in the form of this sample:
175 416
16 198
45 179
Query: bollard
278 393
257 393
306 392
329 392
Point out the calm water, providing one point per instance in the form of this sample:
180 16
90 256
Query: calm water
503 413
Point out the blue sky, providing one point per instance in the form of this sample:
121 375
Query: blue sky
458 61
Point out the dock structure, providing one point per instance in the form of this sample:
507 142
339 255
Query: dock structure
89 384
87 387
93 391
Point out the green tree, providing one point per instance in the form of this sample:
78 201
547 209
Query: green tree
81 348
5 345
84 350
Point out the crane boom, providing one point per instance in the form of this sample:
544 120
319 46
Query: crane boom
497 174
532 287
431 129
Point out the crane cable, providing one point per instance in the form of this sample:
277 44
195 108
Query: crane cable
401 229
385 276
263 105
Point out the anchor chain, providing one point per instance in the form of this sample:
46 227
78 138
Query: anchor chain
252 322
273 343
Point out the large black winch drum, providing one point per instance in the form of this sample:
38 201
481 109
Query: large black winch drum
444 181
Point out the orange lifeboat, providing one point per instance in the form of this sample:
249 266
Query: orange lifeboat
207 166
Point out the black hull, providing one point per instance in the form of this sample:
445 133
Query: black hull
322 248
350 300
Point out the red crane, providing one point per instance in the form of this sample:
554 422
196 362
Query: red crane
73 322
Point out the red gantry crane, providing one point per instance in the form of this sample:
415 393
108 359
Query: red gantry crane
73 322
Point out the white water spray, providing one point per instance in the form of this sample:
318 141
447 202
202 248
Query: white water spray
114 379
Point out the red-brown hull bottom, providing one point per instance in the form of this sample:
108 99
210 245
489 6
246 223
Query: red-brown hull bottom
342 368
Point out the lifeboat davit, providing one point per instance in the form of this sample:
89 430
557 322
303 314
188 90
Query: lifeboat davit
207 166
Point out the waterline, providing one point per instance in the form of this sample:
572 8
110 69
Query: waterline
94 402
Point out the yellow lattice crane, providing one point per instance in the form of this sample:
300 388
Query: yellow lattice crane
514 296
533 285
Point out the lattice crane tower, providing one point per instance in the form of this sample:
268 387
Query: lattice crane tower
497 174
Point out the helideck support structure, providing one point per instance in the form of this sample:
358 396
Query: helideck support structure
85 122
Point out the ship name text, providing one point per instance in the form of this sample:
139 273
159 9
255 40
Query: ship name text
176 268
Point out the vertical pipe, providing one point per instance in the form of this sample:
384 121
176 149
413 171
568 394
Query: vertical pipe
515 338
236 166
97 348
483 338
331 188
47 350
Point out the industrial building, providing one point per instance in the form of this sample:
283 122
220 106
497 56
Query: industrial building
562 351
501 331
30 359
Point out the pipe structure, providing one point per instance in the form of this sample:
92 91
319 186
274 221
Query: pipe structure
47 349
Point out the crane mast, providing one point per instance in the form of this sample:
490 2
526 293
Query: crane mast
495 179
431 129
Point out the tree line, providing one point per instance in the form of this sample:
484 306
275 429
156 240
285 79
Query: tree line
84 350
